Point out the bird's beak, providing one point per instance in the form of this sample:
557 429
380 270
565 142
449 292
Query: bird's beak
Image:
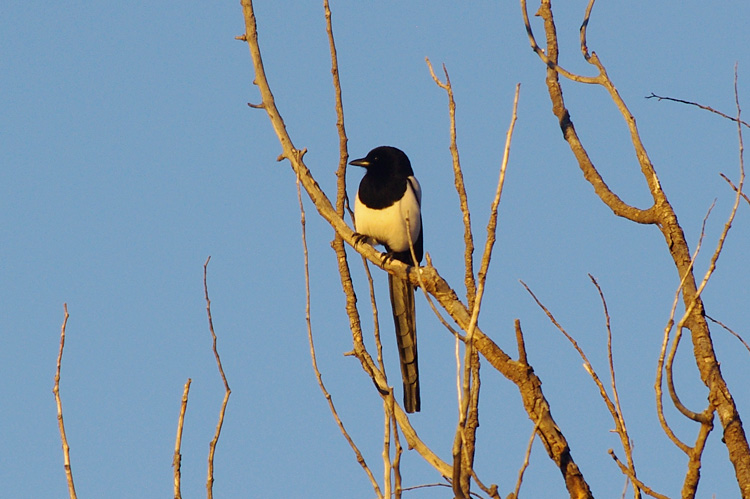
360 162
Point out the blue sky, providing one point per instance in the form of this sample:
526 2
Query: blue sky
130 156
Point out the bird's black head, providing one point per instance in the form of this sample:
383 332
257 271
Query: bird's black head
386 160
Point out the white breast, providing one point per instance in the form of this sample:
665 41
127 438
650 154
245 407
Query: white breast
388 226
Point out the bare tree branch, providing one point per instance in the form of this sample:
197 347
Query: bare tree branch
227 390
661 214
617 414
690 103
177 459
614 411
734 188
736 335
590 173
464 441
460 188
528 383
525 464
58 401
318 376
625 470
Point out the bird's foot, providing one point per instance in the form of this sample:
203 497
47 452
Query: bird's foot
386 257
360 238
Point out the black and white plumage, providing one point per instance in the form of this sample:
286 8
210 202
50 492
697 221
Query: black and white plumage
387 195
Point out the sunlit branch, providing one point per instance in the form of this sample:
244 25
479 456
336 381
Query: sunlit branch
177 459
318 376
526 458
58 401
460 188
227 391
617 413
626 471
528 383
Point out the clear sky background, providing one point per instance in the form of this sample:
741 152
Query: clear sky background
129 156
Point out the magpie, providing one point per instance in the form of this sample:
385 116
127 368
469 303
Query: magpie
387 195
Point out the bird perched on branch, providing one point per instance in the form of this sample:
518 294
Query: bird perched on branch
389 194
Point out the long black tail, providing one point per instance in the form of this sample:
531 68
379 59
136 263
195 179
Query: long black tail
404 317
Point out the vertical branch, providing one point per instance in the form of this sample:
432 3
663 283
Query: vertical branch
343 153
375 319
386 450
617 413
177 460
398 450
227 390
690 484
318 376
472 421
464 441
460 188
58 401
526 458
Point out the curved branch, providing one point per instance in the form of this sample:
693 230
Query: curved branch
590 173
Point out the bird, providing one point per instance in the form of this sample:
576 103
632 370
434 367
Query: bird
388 194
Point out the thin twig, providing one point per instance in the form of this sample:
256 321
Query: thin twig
735 206
618 415
646 489
584 26
735 334
227 390
526 458
177 459
735 187
343 153
58 401
458 177
613 410
520 342
318 376
427 296
375 318
701 106
460 439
